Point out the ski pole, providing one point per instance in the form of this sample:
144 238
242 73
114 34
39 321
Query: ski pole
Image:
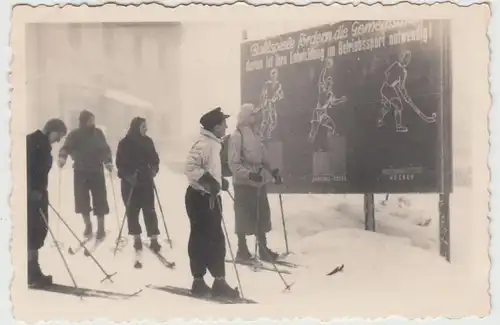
257 226
107 276
56 243
122 241
124 217
219 206
257 223
258 244
59 249
162 215
284 223
287 286
114 199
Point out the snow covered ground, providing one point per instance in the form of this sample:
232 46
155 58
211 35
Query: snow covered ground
395 271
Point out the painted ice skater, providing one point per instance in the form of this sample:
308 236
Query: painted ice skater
326 99
271 93
393 93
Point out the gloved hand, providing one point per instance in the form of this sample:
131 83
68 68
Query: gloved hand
35 195
277 177
154 171
255 177
225 185
131 179
109 167
61 162
209 182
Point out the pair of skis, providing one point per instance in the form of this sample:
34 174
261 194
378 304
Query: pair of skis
138 257
258 265
85 292
82 245
179 291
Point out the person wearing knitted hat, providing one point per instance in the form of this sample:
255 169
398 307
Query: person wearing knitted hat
207 247
89 149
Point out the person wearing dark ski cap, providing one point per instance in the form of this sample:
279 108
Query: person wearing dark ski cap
89 150
251 170
137 163
206 247
38 165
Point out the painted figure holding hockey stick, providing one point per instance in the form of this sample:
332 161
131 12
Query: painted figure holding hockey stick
393 93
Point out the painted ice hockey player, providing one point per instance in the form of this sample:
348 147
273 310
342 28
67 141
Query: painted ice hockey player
206 247
89 150
38 165
137 163
251 170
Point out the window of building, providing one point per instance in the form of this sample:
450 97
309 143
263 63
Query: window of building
75 35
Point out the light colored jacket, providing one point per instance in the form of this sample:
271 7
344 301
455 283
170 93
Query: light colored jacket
247 152
204 156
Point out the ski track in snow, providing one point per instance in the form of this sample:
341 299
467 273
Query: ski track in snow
396 270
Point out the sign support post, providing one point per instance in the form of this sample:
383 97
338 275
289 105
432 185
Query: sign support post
369 212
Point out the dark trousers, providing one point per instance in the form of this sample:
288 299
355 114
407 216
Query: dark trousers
86 184
207 246
143 198
37 228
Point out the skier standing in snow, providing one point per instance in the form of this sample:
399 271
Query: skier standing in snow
89 150
206 247
39 163
251 171
137 163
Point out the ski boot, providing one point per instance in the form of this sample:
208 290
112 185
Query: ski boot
138 251
243 256
154 245
36 278
87 233
268 255
101 233
200 288
220 288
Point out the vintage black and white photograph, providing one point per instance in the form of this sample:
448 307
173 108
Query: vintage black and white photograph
317 161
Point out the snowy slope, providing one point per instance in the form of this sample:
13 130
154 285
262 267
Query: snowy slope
396 270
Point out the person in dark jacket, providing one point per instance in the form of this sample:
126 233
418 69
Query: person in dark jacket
89 150
138 163
207 247
38 165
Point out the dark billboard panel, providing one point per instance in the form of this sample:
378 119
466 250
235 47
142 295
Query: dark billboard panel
356 106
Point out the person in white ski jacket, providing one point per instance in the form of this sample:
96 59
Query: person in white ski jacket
207 247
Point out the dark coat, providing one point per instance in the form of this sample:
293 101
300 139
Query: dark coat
87 146
137 153
38 161
38 165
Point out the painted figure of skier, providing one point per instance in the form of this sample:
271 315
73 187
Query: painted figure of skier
271 93
393 93
326 99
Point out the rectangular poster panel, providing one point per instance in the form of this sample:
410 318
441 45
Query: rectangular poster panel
355 106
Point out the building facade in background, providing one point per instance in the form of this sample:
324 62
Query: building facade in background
115 70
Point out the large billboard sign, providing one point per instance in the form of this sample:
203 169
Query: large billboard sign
356 106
